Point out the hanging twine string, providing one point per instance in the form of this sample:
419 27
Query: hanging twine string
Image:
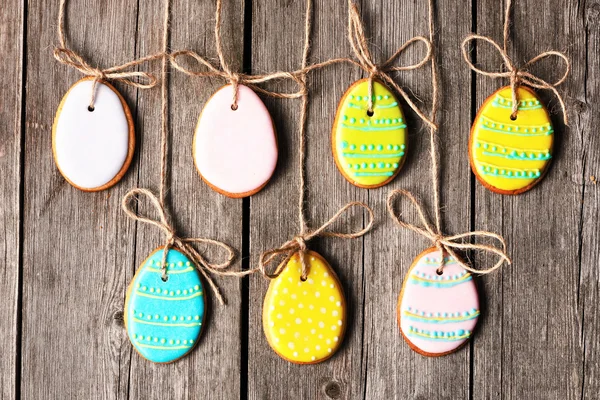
519 76
448 243
119 73
234 78
359 44
298 243
358 41
444 243
183 245
303 120
172 240
164 113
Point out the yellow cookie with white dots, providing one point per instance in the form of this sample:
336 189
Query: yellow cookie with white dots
304 321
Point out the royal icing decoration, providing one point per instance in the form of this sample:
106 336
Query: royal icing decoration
93 147
507 156
437 313
164 319
235 151
304 321
369 150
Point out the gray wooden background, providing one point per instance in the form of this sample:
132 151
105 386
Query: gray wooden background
68 256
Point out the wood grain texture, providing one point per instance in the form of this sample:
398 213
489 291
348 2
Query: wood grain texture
69 267
270 377
11 46
399 372
76 248
584 33
529 345
198 211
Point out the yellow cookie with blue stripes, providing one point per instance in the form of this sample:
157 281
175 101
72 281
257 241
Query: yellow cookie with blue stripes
511 156
369 148
164 318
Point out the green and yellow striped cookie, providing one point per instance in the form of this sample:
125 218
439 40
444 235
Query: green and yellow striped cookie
511 156
369 150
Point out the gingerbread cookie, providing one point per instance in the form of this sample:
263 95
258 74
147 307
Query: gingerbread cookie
369 148
93 147
511 156
304 321
164 318
437 313
235 150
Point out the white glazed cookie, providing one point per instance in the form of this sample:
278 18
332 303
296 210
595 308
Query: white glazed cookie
93 149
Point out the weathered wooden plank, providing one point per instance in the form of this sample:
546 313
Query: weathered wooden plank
584 33
529 344
198 211
277 38
538 333
77 246
398 371
11 134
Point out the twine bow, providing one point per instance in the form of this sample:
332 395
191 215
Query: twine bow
184 245
358 41
235 78
66 56
118 73
448 244
520 76
298 243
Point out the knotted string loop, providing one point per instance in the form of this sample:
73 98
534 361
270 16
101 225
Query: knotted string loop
448 244
234 78
358 41
120 73
520 76
298 243
185 245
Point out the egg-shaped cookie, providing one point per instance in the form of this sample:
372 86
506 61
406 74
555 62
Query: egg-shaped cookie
437 313
510 156
93 146
164 318
304 320
369 148
235 148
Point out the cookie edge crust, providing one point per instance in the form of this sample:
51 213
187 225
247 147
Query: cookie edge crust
310 253
399 311
211 185
131 142
126 308
472 160
334 135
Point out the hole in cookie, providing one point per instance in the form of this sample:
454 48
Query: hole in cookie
165 278
91 108
303 279
513 117
439 271
370 113
234 107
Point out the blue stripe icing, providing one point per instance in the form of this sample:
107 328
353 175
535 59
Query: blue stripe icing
438 335
164 319
440 318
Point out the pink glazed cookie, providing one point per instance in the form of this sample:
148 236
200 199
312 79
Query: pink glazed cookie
235 151
437 313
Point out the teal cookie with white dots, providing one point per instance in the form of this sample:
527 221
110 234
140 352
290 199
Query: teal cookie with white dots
164 319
